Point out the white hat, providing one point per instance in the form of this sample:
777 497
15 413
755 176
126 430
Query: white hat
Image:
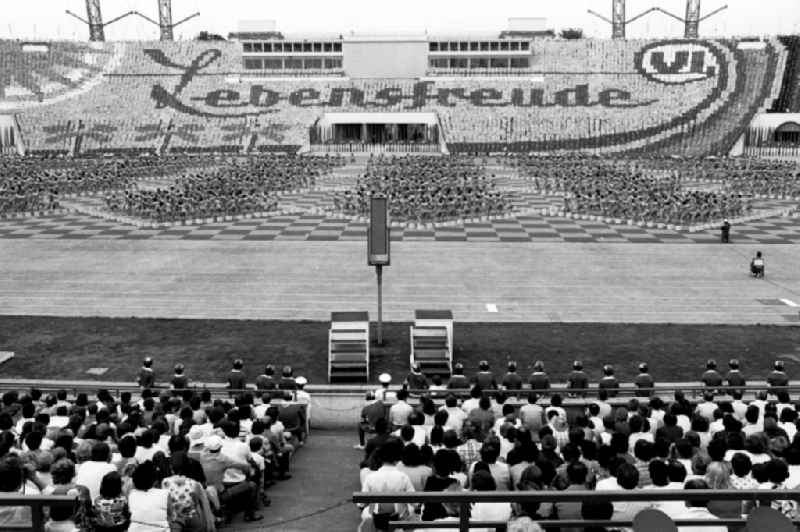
384 378
301 381
213 443
196 434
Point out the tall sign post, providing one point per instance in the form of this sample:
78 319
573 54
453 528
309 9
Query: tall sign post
378 239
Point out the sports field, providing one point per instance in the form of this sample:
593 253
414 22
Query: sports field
205 303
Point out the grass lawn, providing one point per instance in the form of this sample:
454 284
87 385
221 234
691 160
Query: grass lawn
65 348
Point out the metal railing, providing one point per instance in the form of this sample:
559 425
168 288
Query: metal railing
37 504
466 498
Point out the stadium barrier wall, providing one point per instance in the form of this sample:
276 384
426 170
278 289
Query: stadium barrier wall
466 498
37 504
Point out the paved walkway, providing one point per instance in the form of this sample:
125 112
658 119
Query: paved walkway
526 282
317 497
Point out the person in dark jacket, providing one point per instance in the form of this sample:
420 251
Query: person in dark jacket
777 377
236 378
485 378
734 377
539 380
147 377
512 380
609 381
266 381
643 381
458 380
725 231
577 379
711 377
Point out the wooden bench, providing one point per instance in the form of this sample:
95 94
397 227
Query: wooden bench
432 342
348 346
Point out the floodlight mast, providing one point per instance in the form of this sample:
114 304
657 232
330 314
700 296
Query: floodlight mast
96 25
691 21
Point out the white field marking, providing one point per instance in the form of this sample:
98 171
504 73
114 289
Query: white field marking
491 307
5 356
789 302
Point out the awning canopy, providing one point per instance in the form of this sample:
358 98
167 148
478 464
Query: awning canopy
330 119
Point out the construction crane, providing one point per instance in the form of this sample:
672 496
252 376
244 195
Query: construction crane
97 27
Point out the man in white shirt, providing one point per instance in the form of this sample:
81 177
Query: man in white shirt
455 416
707 407
236 450
739 406
387 479
474 398
698 509
383 393
531 414
399 412
91 473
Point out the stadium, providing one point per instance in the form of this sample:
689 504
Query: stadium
516 261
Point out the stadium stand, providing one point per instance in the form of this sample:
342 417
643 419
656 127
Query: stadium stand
789 99
663 96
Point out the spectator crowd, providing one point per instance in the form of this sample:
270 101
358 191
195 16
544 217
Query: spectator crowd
491 434
169 460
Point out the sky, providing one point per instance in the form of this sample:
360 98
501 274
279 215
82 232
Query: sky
46 19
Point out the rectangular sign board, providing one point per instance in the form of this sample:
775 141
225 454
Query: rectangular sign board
378 232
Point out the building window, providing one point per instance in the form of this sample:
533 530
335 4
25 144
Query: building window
515 46
337 47
473 46
494 46
273 64
307 47
479 62
293 63
463 46
248 47
438 62
268 47
252 63
520 62
484 47
458 62
277 47
258 47
433 46
312 62
504 45
327 47
499 62
317 46
525 45
334 62
443 47
453 46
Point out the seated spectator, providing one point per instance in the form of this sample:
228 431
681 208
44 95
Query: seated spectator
487 511
110 512
597 511
387 479
577 476
412 465
697 509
